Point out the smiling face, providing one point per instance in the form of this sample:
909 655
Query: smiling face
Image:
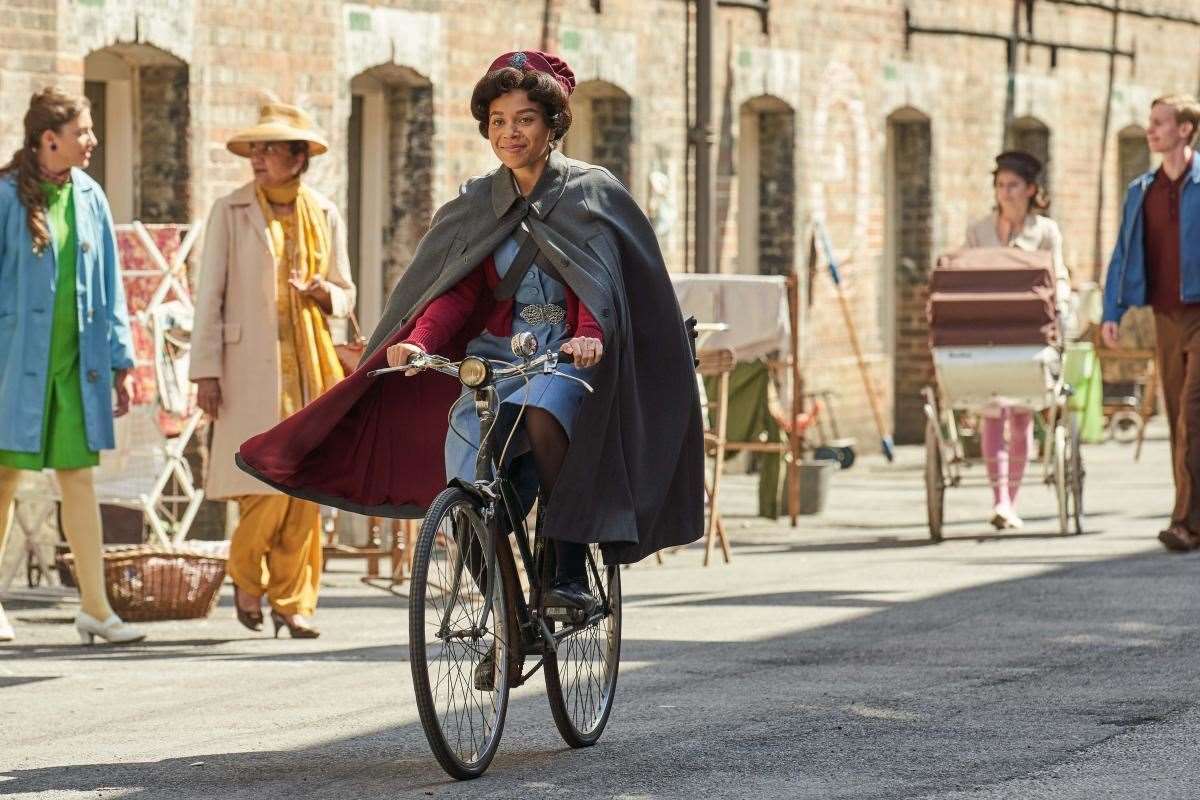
1013 193
517 130
1164 132
71 145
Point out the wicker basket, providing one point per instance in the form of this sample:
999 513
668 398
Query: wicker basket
147 583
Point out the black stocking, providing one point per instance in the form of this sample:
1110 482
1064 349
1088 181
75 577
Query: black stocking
549 443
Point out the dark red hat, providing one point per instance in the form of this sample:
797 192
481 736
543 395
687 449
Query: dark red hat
538 61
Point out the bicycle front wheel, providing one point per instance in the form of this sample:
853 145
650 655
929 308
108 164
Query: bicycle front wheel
581 675
459 634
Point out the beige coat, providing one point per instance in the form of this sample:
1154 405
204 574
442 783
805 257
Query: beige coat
1038 233
236 335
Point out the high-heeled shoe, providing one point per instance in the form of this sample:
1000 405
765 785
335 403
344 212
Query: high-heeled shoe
249 619
7 634
297 630
113 630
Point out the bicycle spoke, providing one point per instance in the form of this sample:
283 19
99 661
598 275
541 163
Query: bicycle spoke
462 626
587 656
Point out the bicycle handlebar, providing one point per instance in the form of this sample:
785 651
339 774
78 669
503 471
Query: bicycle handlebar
546 364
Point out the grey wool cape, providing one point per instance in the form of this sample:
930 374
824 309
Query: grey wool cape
633 478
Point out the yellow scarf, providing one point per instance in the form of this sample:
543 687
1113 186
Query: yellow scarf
309 362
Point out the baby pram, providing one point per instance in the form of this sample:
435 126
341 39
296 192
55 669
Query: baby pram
996 337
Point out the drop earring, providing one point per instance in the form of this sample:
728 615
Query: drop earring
53 146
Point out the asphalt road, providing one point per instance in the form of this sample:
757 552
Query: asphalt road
848 658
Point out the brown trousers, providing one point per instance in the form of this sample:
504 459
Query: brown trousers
1178 356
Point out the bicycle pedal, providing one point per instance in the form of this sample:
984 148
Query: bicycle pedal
567 614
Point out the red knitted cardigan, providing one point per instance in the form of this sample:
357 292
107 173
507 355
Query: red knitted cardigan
437 325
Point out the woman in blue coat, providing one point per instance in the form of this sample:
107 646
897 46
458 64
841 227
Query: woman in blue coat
64 337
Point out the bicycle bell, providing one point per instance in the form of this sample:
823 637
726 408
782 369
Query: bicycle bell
524 344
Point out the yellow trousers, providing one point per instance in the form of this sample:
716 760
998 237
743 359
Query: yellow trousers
276 550
81 526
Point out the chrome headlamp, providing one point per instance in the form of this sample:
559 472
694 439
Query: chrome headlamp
474 372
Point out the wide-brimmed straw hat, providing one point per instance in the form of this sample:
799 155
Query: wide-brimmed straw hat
279 122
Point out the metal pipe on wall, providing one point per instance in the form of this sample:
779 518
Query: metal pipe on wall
703 138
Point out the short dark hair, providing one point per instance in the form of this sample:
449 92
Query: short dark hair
296 148
542 89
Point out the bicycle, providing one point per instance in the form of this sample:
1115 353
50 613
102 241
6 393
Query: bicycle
467 603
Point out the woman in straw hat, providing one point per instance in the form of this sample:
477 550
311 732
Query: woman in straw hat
64 337
1006 431
271 244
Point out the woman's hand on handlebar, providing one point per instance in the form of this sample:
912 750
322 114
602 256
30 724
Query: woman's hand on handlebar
400 354
586 350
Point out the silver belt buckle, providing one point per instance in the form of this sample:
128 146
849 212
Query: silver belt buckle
548 314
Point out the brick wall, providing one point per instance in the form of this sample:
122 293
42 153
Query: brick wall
612 135
411 154
1031 136
164 175
842 69
912 179
776 192
1133 159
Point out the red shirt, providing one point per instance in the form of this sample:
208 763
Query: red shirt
1160 211
472 298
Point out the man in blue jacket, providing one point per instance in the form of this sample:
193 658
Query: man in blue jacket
1156 262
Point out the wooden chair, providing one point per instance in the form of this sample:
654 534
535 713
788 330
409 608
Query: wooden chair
1146 360
717 364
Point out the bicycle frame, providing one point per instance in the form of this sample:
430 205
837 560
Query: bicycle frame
496 493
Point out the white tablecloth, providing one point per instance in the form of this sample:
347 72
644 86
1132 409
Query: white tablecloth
753 306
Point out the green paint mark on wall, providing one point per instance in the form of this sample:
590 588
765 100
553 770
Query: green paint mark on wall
890 73
92 3
744 58
571 40
360 21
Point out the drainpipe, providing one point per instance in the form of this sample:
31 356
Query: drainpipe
703 139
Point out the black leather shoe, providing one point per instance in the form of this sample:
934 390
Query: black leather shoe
571 595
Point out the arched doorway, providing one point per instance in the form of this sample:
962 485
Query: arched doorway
1031 135
602 129
910 256
1133 159
766 187
141 109
390 193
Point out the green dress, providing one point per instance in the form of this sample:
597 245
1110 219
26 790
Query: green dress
64 434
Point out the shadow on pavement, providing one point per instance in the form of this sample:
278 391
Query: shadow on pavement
961 690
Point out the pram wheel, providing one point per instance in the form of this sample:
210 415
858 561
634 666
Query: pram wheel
1125 426
1068 475
935 484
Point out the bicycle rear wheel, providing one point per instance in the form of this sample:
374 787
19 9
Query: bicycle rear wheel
456 620
581 676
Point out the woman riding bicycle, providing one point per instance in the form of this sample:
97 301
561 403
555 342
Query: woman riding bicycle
543 244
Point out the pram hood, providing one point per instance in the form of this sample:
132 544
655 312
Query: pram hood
992 296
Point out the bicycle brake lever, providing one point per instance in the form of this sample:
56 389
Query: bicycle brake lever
387 371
